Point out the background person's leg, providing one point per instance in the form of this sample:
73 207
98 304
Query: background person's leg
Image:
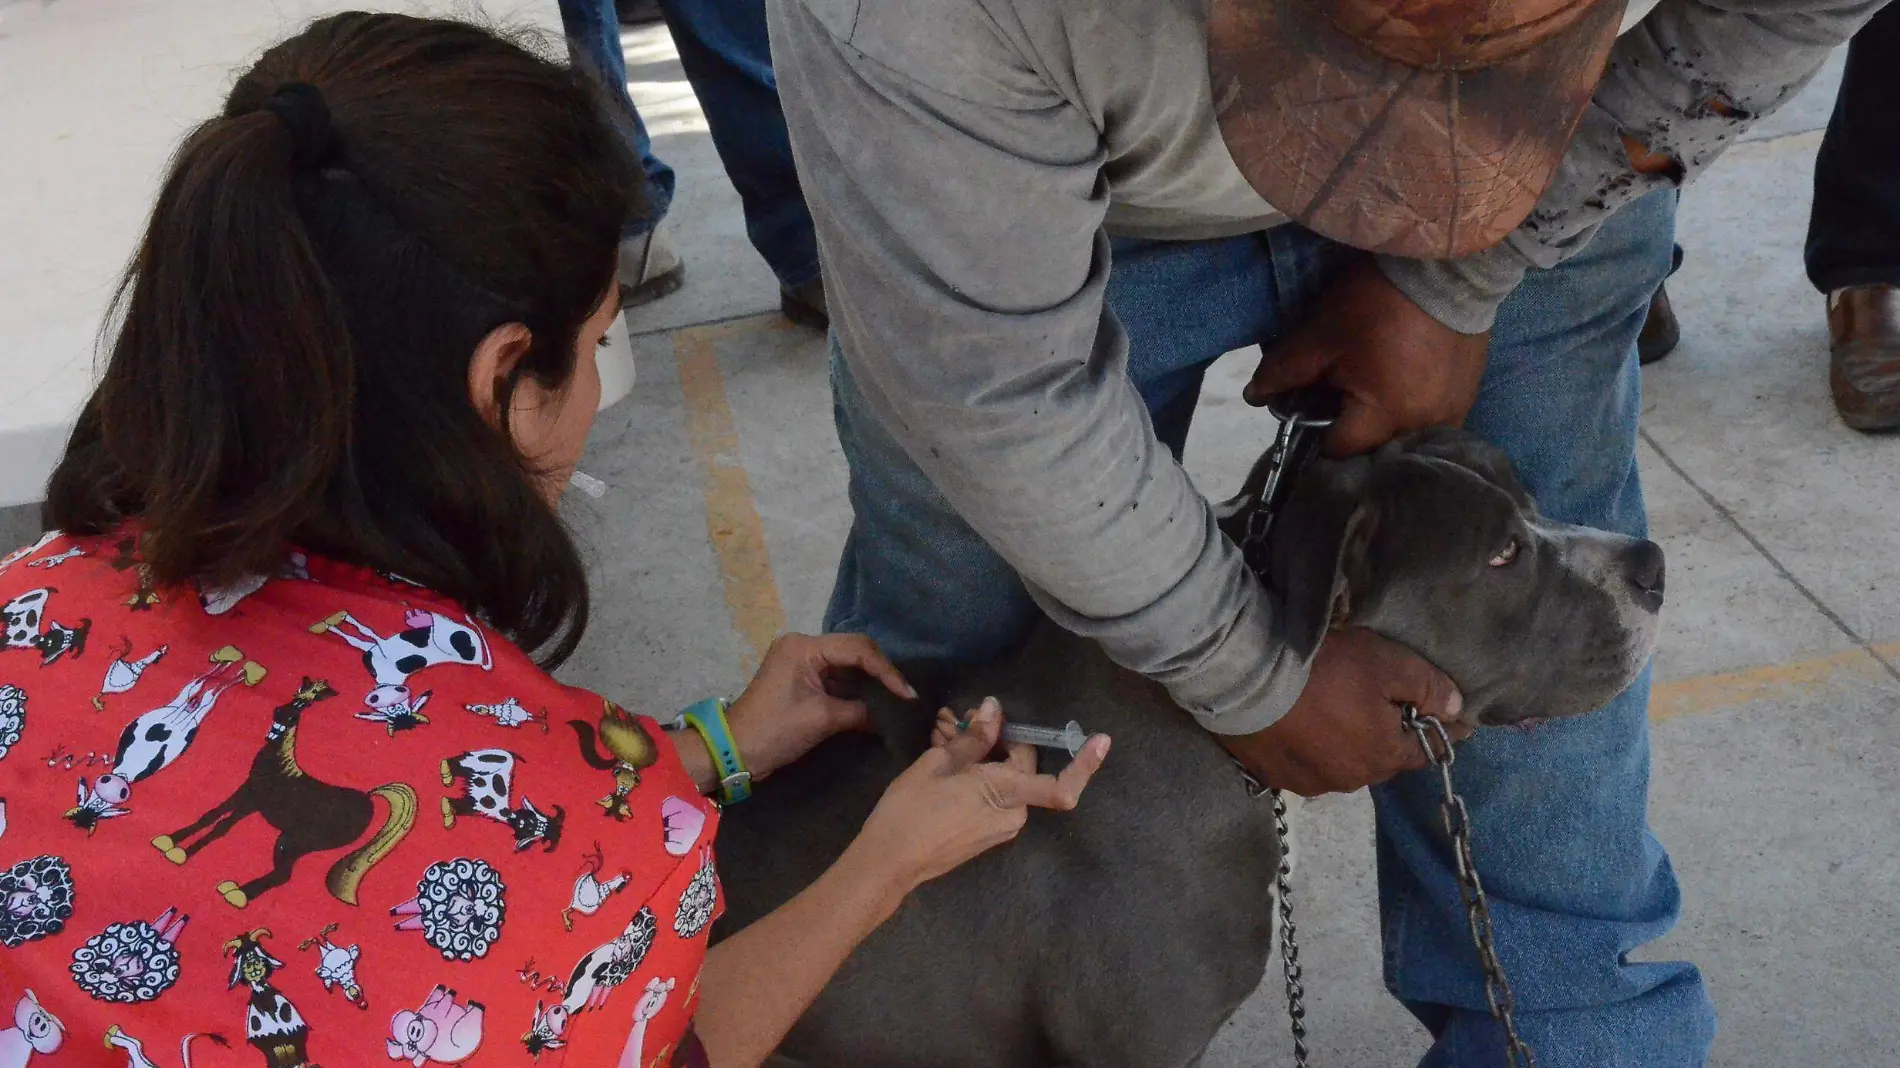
1575 878
1853 253
1854 226
727 58
593 42
649 267
914 575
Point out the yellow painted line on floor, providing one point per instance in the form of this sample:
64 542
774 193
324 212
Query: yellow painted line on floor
738 538
732 516
1769 682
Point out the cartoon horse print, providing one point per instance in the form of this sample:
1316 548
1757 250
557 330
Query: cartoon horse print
34 1030
487 777
309 815
116 1038
429 639
27 628
126 557
272 1025
440 1031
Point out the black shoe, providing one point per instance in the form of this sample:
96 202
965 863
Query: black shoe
1661 332
806 305
637 12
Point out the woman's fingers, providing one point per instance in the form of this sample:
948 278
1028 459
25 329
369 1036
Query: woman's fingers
859 651
975 742
1062 792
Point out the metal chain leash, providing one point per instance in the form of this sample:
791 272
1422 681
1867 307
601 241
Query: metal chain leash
1299 416
1497 989
1289 941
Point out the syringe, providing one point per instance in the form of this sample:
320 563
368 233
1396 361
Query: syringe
1069 739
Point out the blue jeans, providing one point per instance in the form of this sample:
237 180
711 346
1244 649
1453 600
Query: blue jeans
1575 877
723 48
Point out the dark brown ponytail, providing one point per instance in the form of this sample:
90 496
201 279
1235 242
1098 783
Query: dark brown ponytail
291 366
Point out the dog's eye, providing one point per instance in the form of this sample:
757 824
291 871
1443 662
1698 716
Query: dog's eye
1506 554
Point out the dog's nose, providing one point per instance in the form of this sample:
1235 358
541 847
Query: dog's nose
1643 562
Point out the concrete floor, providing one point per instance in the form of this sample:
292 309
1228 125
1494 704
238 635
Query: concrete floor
1777 749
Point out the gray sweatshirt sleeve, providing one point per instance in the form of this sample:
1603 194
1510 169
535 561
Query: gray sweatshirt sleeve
1686 81
959 206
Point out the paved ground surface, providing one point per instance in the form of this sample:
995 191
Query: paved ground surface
1777 766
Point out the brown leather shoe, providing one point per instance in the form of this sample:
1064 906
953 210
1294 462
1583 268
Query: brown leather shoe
1661 332
1864 327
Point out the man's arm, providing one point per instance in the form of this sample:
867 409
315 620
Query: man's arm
959 204
1683 85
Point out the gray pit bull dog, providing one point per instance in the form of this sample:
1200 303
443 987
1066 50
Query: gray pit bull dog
1126 932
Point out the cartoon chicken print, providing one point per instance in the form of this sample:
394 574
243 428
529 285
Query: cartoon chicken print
429 639
116 1038
590 890
125 670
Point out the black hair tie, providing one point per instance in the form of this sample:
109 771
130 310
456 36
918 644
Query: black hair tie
301 108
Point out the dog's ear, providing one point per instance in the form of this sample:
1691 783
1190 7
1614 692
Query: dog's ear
1472 453
1319 553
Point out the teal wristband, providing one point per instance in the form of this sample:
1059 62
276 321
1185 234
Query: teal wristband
708 718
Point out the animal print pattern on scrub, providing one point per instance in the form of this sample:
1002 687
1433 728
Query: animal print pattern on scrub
326 817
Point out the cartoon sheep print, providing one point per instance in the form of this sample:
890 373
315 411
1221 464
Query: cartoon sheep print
234 839
458 907
698 899
12 717
130 962
36 900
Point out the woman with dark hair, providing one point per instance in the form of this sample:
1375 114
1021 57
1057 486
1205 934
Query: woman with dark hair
281 759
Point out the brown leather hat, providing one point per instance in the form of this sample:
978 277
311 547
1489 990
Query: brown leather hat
1421 128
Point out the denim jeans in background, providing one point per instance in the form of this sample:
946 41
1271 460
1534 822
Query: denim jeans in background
1854 231
1575 878
723 48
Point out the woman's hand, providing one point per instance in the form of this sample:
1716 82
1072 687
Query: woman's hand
792 705
952 805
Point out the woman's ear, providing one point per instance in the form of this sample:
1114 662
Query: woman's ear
493 363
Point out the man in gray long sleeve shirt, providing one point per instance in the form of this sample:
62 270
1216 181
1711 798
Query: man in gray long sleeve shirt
1041 219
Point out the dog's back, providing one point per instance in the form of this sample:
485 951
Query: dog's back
1124 932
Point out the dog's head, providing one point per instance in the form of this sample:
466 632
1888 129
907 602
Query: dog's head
1433 543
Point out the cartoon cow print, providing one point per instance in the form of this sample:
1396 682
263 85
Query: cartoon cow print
430 639
29 629
487 777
